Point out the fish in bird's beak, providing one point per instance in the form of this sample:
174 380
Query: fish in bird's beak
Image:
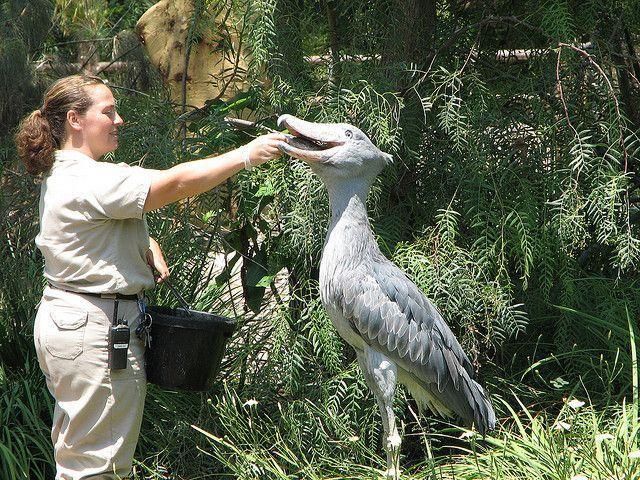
311 142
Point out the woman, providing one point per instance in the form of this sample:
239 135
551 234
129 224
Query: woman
98 259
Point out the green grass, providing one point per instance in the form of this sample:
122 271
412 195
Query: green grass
551 435
25 425
581 442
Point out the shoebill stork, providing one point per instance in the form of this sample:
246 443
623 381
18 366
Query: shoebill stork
397 333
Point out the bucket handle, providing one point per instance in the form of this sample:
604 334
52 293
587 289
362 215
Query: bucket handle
182 301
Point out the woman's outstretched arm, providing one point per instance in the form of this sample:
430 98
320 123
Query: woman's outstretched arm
198 176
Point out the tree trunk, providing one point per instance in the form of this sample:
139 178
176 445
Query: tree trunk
212 71
630 97
412 31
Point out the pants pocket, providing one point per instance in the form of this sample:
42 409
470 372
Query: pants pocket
65 338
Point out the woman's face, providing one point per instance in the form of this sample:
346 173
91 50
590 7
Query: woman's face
100 122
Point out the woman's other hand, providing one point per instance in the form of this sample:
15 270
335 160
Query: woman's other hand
155 260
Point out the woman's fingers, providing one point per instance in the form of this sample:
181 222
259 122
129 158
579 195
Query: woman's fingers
265 148
162 276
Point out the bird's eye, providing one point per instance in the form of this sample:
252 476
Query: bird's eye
348 133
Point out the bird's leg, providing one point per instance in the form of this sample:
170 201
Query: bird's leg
380 373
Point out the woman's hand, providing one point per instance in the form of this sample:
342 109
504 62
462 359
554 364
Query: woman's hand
264 148
156 261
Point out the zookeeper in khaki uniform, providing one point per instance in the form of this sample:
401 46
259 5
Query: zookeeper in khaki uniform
98 259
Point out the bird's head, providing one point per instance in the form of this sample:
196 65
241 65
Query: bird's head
333 150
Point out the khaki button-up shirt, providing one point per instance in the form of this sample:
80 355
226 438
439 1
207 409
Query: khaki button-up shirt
93 233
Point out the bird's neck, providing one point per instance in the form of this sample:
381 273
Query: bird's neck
350 243
348 201
349 237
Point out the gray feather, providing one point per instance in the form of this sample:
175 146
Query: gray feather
402 329
415 349
403 340
452 367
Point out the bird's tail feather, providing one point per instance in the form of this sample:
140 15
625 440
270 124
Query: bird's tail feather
469 401
484 416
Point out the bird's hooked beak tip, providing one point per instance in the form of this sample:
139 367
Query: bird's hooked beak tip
282 120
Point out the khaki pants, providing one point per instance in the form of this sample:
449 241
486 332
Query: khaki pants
98 411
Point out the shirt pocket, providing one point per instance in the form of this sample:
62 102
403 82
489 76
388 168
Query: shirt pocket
65 339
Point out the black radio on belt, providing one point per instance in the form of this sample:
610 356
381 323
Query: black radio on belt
118 341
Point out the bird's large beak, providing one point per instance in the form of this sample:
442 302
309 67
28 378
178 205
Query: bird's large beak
311 142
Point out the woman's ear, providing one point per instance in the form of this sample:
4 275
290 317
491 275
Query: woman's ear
74 120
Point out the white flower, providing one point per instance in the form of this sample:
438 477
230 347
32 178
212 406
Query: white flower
635 454
250 403
353 438
575 403
562 426
579 477
467 434
604 436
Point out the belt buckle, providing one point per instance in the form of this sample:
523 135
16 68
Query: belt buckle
109 296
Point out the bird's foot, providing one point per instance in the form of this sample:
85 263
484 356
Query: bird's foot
392 473
393 453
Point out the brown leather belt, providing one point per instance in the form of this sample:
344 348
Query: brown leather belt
106 296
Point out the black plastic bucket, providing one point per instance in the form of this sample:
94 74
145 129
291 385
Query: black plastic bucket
187 347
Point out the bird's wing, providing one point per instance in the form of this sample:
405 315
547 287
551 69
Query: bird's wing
388 312
388 309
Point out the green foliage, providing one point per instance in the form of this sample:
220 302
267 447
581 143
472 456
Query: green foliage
23 26
512 202
601 327
557 21
251 445
261 25
19 294
450 275
25 416
575 440
285 422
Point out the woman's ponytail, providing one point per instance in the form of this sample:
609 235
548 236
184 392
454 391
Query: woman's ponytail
36 143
